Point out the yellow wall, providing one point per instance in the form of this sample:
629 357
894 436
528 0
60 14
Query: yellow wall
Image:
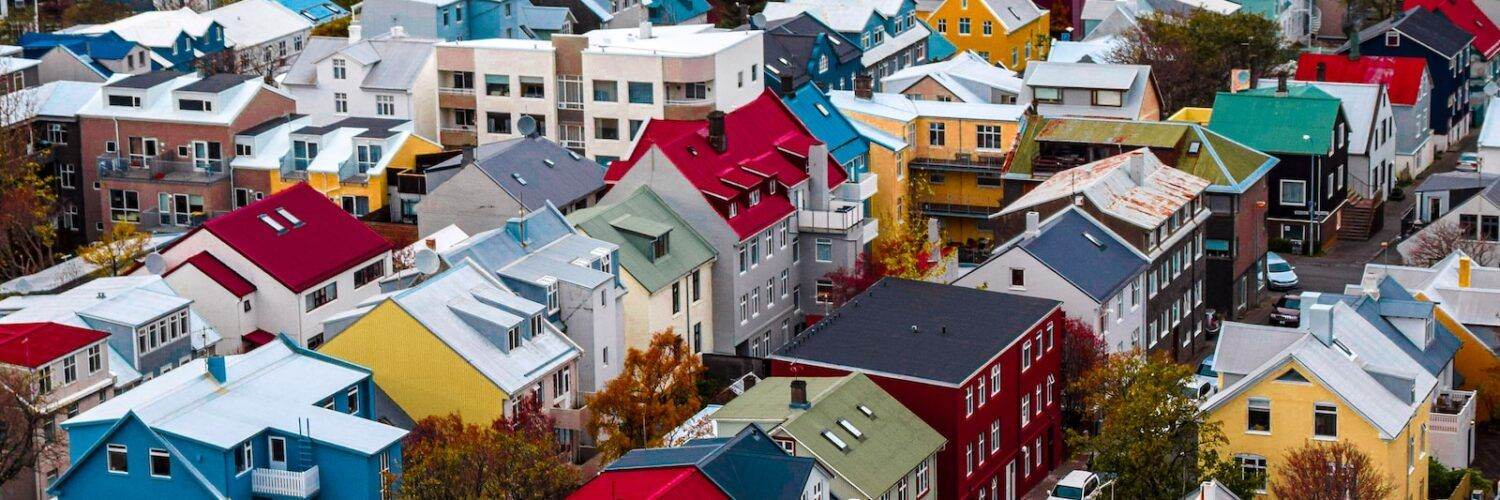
1292 426
1479 367
999 43
328 183
892 183
415 368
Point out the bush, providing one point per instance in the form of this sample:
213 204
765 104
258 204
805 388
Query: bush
1441 481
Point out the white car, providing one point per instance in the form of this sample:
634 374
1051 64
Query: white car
1280 273
1077 485
1206 380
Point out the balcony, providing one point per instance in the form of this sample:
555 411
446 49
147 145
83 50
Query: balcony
957 210
860 190
453 97
961 162
161 169
285 483
452 134
843 216
1451 424
871 230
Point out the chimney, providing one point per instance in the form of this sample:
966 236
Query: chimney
799 396
1281 89
1369 285
863 87
1465 271
788 88
355 30
1322 72
819 195
466 156
1033 224
716 137
1320 322
1308 299
217 369
645 30
398 32
431 243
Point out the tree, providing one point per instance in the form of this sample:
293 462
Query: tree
656 390
94 12
1442 481
1439 240
1082 351
904 248
338 28
850 281
516 458
1328 471
1191 54
117 250
1152 434
23 438
28 199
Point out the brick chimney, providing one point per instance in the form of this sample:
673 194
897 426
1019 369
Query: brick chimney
863 87
716 137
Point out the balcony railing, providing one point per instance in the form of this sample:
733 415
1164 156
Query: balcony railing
843 216
861 189
961 163
682 100
957 210
285 483
455 91
1451 422
163 169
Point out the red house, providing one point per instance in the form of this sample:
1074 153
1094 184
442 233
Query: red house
980 367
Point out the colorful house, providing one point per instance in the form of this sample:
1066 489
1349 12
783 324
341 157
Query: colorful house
1408 88
270 423
72 372
850 149
967 77
812 51
888 31
1419 32
81 57
1469 16
466 19
176 38
1007 33
746 466
1092 90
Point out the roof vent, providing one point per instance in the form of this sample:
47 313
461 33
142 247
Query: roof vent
518 178
1093 240
99 295
289 217
266 218
548 162
866 410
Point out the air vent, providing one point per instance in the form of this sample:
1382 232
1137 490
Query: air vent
518 178
289 217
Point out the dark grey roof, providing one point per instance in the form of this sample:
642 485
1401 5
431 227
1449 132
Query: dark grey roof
1448 181
958 330
216 83
1099 266
532 169
268 125
147 80
376 128
1424 26
1487 335
792 39
747 465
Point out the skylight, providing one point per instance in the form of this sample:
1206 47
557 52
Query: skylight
839 443
548 162
854 431
773 69
784 62
518 178
866 410
821 109
1093 240
266 218
289 217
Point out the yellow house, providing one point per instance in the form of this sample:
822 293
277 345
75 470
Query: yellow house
1005 32
1368 369
458 342
943 157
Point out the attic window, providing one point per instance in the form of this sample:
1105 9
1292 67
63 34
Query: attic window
518 178
289 217
853 431
1193 147
1292 376
838 443
866 410
660 246
280 229
1392 39
1093 240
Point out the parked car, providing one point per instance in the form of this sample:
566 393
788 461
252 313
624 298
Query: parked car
1287 311
1281 274
1083 485
1467 162
1206 379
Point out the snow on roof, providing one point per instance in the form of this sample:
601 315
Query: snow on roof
965 75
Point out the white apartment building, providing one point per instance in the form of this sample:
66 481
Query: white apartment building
389 76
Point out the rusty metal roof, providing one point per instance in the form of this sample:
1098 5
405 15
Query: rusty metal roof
1135 187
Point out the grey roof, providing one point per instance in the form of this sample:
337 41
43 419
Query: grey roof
552 247
532 169
146 80
216 83
958 330
1088 255
1487 335
1448 181
747 465
269 125
1426 27
792 40
397 62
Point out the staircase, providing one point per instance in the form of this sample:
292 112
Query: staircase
1360 219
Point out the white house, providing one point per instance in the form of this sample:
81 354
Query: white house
386 76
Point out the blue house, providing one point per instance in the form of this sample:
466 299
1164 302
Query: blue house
1419 32
887 31
317 11
801 48
845 143
175 37
466 19
666 12
271 423
103 54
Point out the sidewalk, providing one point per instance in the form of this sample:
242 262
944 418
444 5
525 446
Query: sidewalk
1041 489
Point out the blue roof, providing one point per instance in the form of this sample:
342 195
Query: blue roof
317 11
748 465
1099 266
666 12
827 123
101 46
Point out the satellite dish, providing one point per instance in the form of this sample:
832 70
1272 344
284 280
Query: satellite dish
526 125
155 263
427 261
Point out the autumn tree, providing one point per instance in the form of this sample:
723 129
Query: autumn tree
23 438
1439 240
94 12
656 390
1082 351
515 458
28 198
1328 471
850 281
117 250
904 248
1190 54
1151 433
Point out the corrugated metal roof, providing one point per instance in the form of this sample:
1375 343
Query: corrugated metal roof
1301 122
1134 187
644 212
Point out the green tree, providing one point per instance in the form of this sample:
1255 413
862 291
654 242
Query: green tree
1191 54
517 458
28 199
1151 433
656 391
337 28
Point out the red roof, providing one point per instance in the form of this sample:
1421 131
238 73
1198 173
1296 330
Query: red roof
665 482
35 344
1402 76
257 338
1467 16
219 272
323 242
766 143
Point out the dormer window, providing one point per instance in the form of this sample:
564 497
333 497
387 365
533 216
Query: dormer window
1112 98
195 105
1047 95
367 156
660 246
127 101
551 284
339 71
754 198
513 338
1392 39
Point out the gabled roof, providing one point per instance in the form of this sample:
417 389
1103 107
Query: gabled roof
1014 14
1449 181
249 23
1422 26
1477 305
1402 76
397 62
533 247
1466 15
789 45
1231 167
56 99
1095 50
219 272
747 465
847 16
32 345
967 75
323 242
891 442
659 483
131 419
1085 253
156 28
827 123
624 224
1135 187
1361 103
960 331
1278 124
121 300
1133 81
532 169
107 46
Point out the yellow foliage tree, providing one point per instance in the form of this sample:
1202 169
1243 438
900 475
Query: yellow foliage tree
117 250
656 392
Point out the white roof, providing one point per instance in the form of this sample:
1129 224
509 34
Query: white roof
1489 132
1362 103
1083 75
916 34
272 387
847 16
10 64
502 44
1014 14
966 75
161 105
156 28
335 147
60 98
879 137
899 107
1135 187
1477 304
442 239
1096 50
249 23
687 40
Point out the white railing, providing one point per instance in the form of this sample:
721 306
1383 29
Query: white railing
871 231
859 191
303 484
455 91
1451 423
688 101
843 216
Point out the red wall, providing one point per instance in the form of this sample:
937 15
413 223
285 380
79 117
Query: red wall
943 409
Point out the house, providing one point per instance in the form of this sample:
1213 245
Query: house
1468 202
1371 370
1419 32
84 58
272 422
1306 130
69 272
71 373
1007 33
51 112
666 268
1444 191
152 327
967 77
1086 90
1469 16
346 159
801 49
979 367
845 144
1234 236
1462 293
745 466
1408 88
318 11
757 185
463 329
482 187
1073 258
175 38
593 92
282 264
590 15
17 72
1488 145
887 31
956 148
539 256
385 76
872 445
159 143
466 19
266 34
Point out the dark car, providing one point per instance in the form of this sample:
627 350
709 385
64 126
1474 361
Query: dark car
1287 311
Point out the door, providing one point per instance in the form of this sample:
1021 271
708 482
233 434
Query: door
1434 208
1010 480
277 452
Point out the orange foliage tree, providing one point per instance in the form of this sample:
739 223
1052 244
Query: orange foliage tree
655 392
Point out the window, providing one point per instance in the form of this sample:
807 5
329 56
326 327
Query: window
124 206
824 292
987 136
497 123
640 93
1026 355
339 72
128 101
1253 466
324 295
936 134
161 463
696 287
195 105
922 482
995 380
385 105
1047 95
823 250
1258 418
963 25
497 85
351 400
995 436
1293 193
95 359
695 91
982 447
676 298
115 459
1392 39
1051 388
942 25
1325 420
369 273
968 459
987 28
744 308
67 175
968 401
982 393
340 103
1017 277
1109 98
533 87
70 369
1025 409
606 128
245 459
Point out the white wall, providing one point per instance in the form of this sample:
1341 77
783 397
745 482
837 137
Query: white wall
317 100
1042 282
516 63
221 309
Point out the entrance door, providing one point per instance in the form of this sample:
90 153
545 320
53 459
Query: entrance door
277 452
1010 480
1434 207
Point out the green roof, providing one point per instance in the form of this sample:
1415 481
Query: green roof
1300 122
893 442
1228 165
633 223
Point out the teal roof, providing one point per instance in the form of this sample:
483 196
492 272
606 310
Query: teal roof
1300 122
827 123
633 223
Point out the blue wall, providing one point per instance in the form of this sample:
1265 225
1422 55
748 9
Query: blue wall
1444 83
